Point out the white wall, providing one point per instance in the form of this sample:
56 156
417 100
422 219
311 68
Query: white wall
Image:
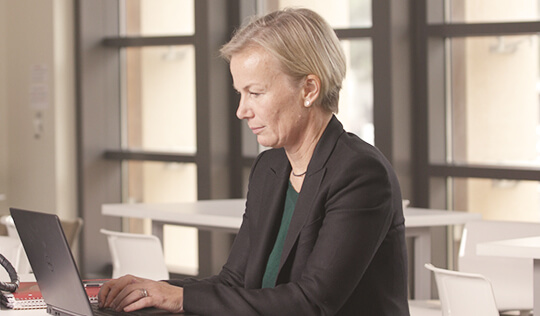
3 106
37 146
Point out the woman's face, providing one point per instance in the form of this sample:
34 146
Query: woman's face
270 102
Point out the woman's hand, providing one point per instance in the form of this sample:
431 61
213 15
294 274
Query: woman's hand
130 293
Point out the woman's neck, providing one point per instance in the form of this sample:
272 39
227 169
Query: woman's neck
300 156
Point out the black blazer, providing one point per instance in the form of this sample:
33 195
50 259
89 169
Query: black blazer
344 253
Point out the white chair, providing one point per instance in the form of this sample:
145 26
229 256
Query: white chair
511 278
12 250
21 263
137 254
72 229
464 294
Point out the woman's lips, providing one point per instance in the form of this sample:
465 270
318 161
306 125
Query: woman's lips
256 130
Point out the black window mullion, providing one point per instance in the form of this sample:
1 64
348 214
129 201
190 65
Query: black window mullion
421 185
138 41
354 33
483 171
482 29
147 156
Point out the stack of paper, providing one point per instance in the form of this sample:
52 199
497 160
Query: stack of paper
28 296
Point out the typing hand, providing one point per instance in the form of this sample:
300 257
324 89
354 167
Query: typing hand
130 293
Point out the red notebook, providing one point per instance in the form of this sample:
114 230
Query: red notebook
28 295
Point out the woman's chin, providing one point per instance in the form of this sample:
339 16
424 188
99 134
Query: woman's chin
264 142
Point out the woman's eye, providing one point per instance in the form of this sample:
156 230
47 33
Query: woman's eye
254 94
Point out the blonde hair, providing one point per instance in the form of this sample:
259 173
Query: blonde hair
303 42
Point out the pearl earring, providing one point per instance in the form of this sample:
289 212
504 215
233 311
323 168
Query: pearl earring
307 103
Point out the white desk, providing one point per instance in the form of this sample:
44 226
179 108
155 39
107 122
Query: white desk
30 312
418 224
226 215
528 248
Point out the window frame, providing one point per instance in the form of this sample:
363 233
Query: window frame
431 80
99 134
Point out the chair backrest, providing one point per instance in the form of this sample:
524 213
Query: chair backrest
72 230
12 249
511 278
137 254
464 294
10 225
20 263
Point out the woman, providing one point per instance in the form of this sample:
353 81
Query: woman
323 229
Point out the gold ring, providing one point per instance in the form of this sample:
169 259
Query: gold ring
144 293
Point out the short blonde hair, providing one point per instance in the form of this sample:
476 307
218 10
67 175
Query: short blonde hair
303 42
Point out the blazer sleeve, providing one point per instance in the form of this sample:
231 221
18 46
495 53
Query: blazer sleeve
356 207
232 274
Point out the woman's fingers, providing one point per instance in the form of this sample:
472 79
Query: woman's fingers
134 296
133 303
129 293
153 294
110 291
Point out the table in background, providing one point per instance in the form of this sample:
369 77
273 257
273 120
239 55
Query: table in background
528 248
418 224
226 215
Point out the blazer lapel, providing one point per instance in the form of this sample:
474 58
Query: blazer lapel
301 212
275 184
312 182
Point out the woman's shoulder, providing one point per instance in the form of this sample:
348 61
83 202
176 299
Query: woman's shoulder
350 145
352 157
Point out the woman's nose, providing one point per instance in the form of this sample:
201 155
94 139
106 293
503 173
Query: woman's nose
243 111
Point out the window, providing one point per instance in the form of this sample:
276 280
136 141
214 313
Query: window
159 115
151 131
480 114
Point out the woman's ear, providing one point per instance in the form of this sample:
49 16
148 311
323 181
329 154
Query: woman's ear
312 88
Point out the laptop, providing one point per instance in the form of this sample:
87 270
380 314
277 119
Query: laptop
53 265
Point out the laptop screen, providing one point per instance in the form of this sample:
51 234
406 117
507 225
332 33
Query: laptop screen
52 261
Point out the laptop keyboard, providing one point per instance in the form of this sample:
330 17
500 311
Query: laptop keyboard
150 311
97 311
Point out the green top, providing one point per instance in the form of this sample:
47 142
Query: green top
272 267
